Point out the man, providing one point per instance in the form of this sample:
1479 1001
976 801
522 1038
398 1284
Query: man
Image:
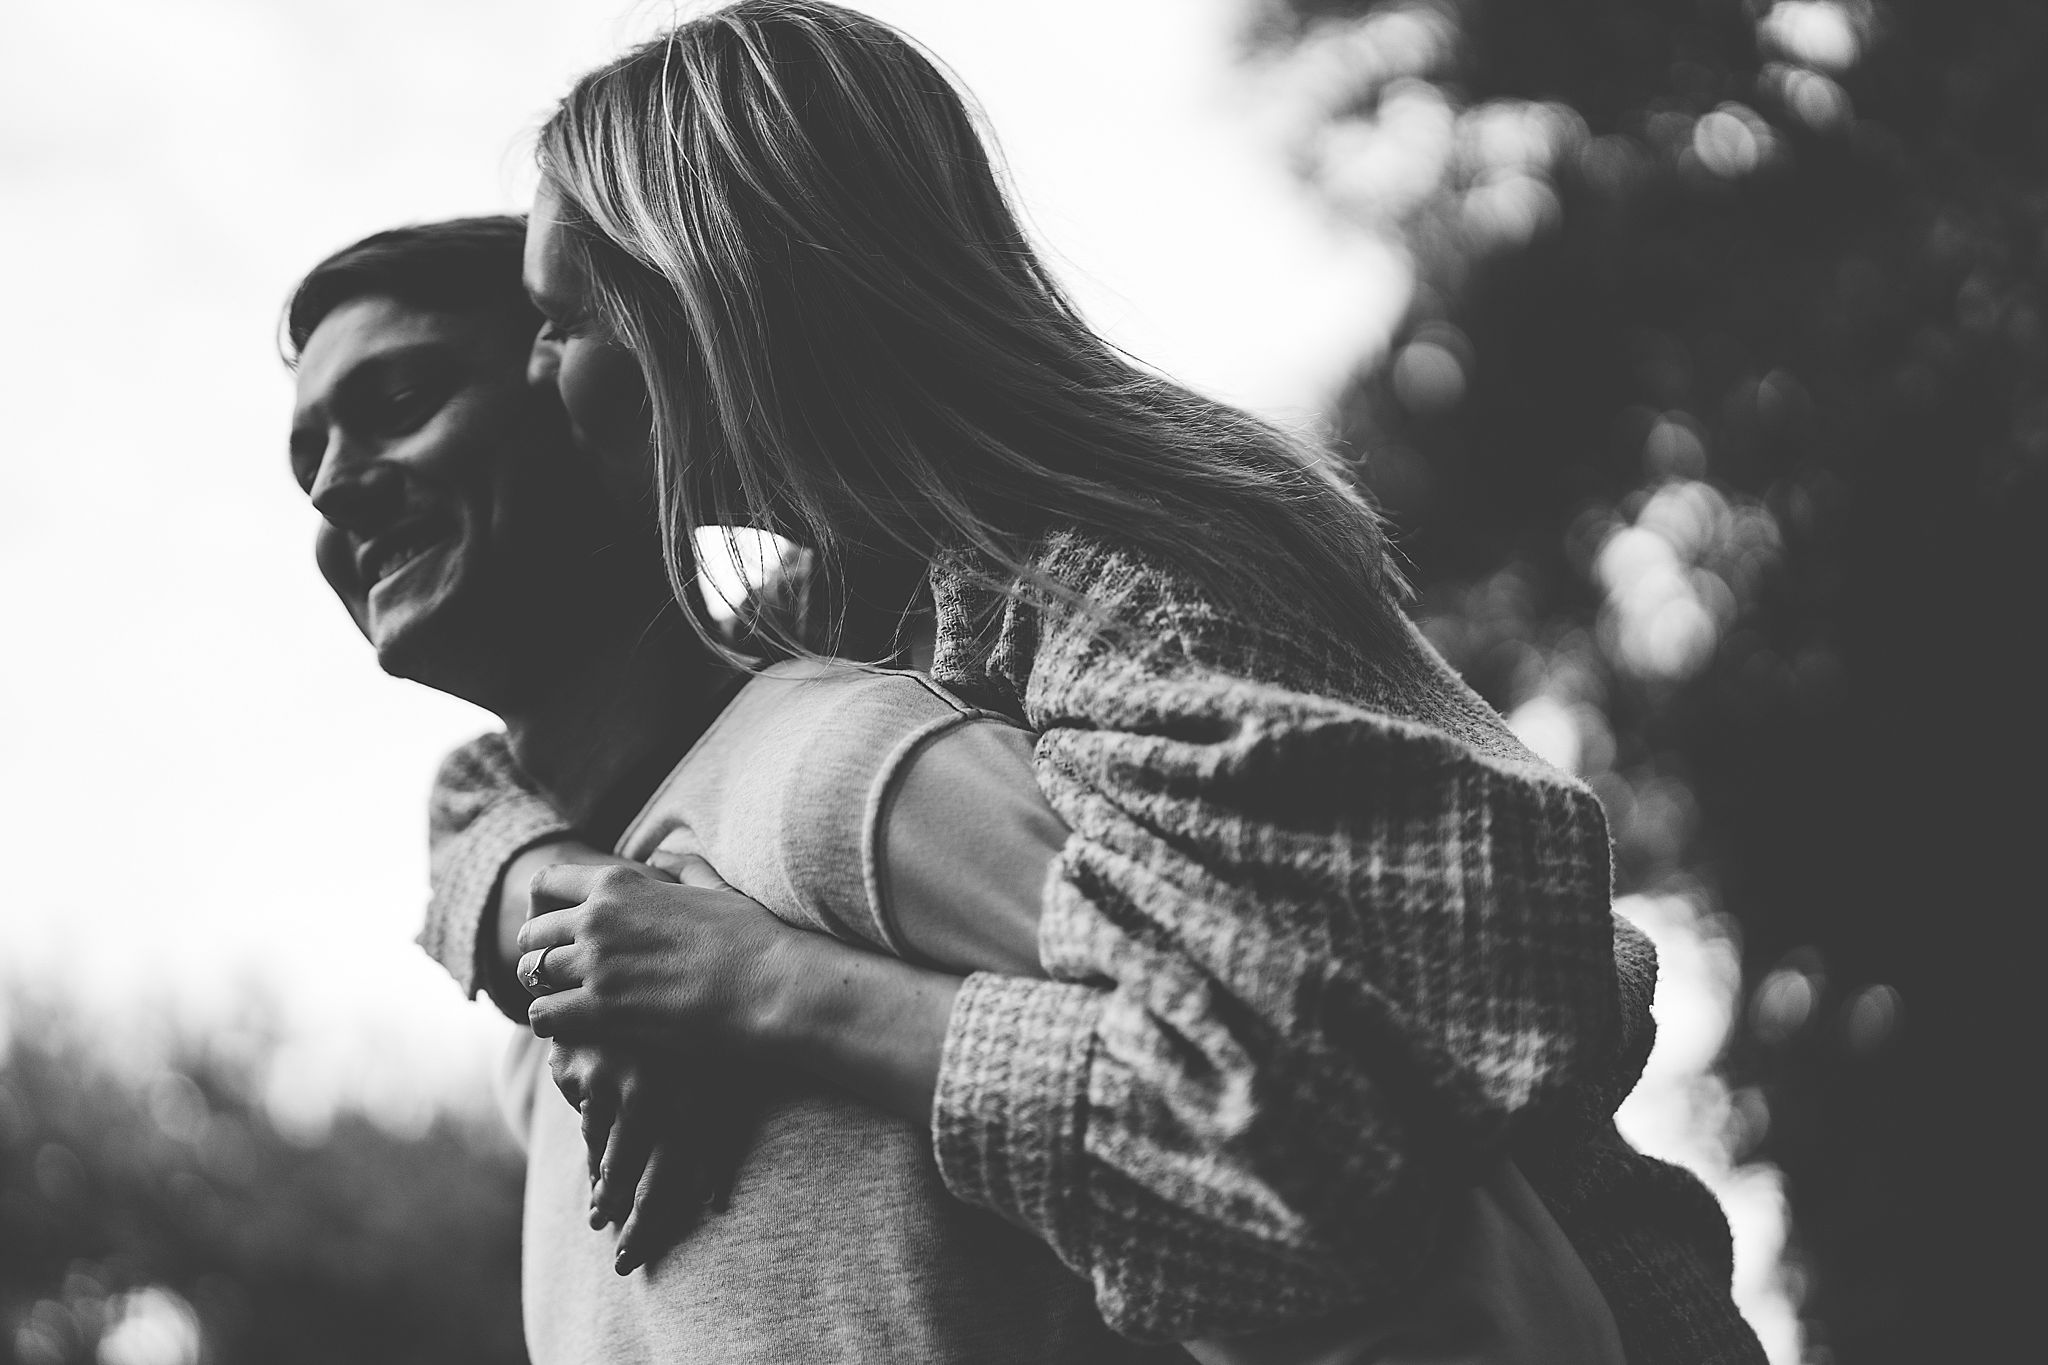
459 525
456 521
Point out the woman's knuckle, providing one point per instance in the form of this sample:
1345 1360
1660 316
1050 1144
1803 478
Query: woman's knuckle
615 879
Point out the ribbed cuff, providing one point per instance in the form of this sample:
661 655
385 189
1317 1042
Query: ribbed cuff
1670 1308
468 866
1008 1114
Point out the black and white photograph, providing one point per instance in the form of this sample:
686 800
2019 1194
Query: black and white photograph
968 682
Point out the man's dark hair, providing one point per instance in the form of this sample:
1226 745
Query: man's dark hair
456 264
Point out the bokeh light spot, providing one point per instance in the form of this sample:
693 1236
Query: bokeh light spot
1674 450
177 1106
1814 99
1428 377
1549 729
735 561
1383 168
1817 32
1783 1004
1508 210
153 1326
1873 1018
1726 144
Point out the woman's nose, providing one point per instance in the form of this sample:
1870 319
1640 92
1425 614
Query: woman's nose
543 363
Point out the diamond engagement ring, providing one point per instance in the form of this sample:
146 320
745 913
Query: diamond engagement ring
534 982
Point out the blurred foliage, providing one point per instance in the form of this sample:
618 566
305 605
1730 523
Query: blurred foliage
153 1213
1717 441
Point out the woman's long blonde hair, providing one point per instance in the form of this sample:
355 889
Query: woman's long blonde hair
785 210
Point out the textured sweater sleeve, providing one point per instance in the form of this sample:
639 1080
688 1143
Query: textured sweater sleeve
482 814
1311 962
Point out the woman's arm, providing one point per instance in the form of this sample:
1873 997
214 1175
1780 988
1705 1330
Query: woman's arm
701 968
1315 960
961 853
1312 959
957 848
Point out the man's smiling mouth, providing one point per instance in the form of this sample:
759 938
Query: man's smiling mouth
397 548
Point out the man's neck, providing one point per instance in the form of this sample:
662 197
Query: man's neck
601 739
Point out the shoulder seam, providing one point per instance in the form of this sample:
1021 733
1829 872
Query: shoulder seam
875 822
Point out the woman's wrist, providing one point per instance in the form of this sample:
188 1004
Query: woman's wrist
779 1016
873 1024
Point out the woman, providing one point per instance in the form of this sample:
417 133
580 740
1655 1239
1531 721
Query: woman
1325 942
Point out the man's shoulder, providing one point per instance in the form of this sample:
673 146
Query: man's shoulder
801 738
836 704
783 793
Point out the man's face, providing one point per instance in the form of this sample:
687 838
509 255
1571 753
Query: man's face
454 514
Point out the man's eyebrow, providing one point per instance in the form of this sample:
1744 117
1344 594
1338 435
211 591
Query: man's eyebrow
373 367
400 353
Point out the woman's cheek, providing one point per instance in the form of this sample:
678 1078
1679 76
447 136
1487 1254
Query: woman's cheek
609 413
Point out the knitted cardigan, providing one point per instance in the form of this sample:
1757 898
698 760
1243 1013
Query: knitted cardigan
1325 941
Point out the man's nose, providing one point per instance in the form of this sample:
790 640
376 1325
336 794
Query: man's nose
355 490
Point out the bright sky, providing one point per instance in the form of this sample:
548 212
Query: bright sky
211 794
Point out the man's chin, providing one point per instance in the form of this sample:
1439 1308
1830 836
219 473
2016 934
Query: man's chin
431 648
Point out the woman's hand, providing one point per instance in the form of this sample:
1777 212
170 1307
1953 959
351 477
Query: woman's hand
698 966
514 901
632 959
664 1136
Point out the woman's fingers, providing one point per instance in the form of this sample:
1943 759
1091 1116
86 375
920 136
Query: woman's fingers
669 1199
600 1115
556 967
623 1163
692 870
552 930
577 1072
567 884
564 884
568 1014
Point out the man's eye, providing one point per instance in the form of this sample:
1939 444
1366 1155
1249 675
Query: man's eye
408 405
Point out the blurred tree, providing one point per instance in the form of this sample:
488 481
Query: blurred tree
156 1216
1717 440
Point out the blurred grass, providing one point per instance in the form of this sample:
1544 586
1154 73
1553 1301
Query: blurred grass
153 1211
